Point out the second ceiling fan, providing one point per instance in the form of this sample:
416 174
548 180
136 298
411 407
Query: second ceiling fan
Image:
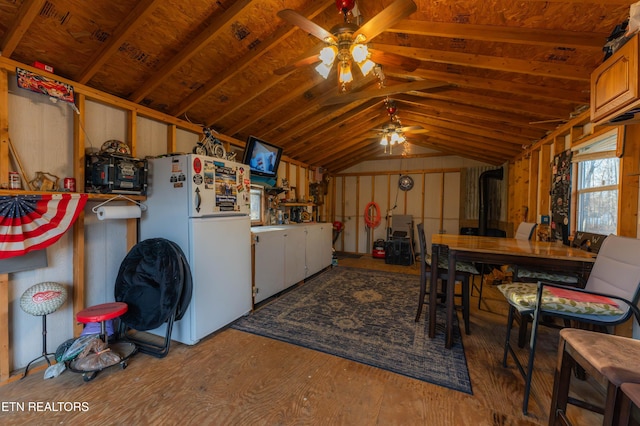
393 132
347 43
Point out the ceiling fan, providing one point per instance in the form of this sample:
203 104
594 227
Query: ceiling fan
394 132
347 43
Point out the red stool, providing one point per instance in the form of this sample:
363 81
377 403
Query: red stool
102 313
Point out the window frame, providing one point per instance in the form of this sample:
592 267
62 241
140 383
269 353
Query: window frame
260 190
582 153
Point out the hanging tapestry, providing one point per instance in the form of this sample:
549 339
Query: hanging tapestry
45 85
561 196
34 222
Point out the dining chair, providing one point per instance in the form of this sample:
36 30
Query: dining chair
609 298
524 232
463 274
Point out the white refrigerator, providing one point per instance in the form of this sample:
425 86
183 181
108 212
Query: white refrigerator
202 204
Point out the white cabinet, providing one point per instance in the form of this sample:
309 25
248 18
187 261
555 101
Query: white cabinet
269 264
318 249
294 256
286 255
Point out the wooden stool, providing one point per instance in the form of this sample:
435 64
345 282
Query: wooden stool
610 360
630 397
101 314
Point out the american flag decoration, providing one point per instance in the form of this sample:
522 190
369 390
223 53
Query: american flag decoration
34 222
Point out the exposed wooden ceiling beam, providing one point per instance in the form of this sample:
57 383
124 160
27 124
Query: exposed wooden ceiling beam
271 42
504 34
557 94
27 13
132 21
524 66
218 24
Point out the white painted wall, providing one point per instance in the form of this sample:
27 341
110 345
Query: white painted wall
383 189
42 133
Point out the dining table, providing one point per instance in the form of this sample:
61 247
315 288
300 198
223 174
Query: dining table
547 256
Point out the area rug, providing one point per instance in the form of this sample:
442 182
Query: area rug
366 316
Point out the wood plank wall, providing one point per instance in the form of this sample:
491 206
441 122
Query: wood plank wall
531 174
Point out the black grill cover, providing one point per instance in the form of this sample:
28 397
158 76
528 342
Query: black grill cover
155 282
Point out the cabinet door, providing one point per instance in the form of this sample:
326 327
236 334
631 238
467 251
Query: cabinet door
313 252
319 247
294 255
614 84
269 264
326 245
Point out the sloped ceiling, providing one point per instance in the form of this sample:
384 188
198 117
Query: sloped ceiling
491 76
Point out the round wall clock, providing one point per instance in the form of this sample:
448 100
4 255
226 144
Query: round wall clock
405 183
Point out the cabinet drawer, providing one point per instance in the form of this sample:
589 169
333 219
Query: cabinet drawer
614 84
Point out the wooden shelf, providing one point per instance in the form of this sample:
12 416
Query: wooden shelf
91 195
297 204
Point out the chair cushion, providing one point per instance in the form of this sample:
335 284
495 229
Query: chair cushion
523 297
545 276
460 266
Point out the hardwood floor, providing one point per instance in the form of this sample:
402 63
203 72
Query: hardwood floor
235 378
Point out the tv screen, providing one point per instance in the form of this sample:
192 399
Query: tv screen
262 157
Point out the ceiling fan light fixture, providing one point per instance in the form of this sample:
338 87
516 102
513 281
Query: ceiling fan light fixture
328 55
345 75
394 138
359 52
366 66
323 69
384 141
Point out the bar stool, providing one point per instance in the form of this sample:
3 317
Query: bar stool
42 299
102 313
611 360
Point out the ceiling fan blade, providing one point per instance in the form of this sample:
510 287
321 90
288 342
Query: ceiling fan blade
385 91
393 60
299 63
293 17
398 10
411 128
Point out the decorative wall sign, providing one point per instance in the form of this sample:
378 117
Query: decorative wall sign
45 85
561 196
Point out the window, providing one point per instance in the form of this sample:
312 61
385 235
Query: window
257 210
597 185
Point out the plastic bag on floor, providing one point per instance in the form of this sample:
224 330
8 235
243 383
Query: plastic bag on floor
78 346
97 361
54 370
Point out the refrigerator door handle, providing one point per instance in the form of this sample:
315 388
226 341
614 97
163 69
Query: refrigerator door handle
198 199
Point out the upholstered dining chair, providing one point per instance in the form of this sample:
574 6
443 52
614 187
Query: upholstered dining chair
463 274
609 298
524 232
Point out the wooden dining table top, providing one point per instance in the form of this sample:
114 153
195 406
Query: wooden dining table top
496 249
512 247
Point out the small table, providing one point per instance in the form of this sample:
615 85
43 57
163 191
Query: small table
610 360
499 251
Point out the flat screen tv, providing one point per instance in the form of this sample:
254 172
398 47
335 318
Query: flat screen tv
262 157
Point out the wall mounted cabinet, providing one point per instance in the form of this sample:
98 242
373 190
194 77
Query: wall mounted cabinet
614 85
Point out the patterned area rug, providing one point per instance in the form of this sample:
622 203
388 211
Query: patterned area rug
365 316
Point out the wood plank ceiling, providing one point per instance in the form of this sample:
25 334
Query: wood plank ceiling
492 76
